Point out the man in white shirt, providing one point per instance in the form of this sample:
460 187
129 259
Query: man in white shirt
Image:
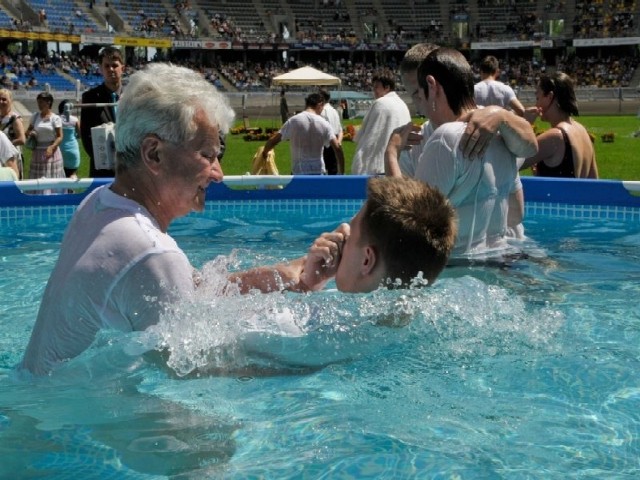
387 113
482 126
490 91
118 268
477 193
309 133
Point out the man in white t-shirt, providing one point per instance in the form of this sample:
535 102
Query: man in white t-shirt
490 91
482 126
308 133
118 267
387 113
477 193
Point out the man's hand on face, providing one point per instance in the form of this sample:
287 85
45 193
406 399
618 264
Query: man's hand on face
323 257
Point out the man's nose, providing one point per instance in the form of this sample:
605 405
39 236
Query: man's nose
216 173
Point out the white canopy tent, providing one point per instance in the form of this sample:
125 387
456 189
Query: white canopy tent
305 76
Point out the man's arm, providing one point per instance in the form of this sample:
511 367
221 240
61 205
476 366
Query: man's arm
274 278
88 121
484 123
401 138
337 148
275 139
308 273
517 106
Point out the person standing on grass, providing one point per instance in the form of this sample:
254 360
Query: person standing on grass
112 69
308 133
284 107
11 124
332 116
69 147
491 91
45 128
387 113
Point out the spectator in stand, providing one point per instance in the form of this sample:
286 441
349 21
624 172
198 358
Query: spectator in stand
566 149
46 128
490 91
11 124
309 134
332 116
69 147
112 69
387 113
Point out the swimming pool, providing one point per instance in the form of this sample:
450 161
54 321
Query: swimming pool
530 372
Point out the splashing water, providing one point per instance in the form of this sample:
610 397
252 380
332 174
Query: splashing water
222 331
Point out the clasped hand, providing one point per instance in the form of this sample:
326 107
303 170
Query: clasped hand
324 256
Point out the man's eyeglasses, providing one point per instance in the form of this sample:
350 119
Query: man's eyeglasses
223 147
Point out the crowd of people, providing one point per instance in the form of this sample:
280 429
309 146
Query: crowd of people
492 20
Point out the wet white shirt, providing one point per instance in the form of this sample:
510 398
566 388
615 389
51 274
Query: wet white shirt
309 133
116 269
478 189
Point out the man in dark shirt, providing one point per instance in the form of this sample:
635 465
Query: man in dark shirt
112 68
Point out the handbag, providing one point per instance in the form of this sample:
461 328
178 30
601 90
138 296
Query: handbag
31 143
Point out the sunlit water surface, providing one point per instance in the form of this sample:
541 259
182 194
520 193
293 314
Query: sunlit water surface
526 372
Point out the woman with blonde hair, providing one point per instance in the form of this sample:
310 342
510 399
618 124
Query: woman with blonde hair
565 150
46 127
11 124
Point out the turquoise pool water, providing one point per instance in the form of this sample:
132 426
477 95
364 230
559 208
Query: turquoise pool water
523 373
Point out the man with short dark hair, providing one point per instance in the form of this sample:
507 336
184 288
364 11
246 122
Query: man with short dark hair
404 229
112 69
387 113
309 133
490 91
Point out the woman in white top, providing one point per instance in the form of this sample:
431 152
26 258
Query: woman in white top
11 124
46 127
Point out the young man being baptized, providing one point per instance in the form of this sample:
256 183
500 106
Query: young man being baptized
401 237
404 229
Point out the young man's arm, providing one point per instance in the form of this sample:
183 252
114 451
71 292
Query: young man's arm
484 123
308 273
271 143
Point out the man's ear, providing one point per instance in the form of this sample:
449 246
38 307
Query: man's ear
432 82
369 260
150 152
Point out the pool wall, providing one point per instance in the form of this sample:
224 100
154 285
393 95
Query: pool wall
565 198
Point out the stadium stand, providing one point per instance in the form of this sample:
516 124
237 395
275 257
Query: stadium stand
64 16
349 38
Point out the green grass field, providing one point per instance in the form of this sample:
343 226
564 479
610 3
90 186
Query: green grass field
619 160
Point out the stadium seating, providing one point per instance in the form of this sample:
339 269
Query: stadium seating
5 20
64 16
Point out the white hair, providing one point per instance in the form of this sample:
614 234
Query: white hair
162 99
